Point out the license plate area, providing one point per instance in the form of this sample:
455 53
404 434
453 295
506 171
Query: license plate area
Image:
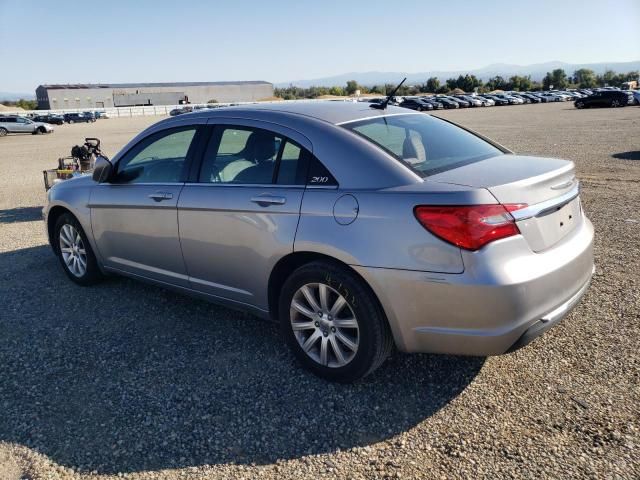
550 227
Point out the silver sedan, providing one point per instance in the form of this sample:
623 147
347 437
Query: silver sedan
356 228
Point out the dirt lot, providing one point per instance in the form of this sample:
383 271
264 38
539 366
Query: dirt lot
129 379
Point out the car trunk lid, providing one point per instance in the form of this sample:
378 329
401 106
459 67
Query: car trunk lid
547 186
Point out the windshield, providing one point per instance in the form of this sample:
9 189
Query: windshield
425 144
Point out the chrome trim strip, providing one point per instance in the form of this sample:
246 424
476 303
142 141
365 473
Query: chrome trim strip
242 185
543 207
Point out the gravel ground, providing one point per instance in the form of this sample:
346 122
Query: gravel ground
129 380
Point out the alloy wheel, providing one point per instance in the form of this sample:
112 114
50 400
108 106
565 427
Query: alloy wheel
73 251
324 325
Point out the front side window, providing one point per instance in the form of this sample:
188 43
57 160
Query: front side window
160 158
425 144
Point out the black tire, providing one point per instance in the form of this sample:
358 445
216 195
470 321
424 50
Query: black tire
579 104
92 274
375 339
3 132
70 121
615 103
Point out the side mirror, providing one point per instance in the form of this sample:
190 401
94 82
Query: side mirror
102 169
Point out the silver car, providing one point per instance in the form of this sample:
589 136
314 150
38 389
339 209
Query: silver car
17 124
356 228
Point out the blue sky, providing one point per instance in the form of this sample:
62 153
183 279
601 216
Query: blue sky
152 41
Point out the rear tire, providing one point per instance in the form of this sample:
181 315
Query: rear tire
74 251
341 339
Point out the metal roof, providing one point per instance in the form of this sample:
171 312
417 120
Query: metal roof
72 86
335 112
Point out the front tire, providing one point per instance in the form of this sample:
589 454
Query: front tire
615 103
333 322
74 251
3 132
579 104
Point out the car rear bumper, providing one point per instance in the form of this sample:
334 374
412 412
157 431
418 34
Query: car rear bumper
506 297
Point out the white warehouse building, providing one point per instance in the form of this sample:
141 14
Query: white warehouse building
71 96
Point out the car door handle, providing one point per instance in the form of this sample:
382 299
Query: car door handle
159 196
266 200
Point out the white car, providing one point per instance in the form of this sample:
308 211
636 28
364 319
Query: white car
563 95
17 124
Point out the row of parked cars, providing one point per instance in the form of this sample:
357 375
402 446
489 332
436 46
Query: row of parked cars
582 98
78 117
36 124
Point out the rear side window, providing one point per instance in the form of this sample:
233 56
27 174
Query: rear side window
425 144
253 156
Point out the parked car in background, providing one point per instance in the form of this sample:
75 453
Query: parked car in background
415 103
522 97
486 102
100 114
51 119
431 100
78 118
551 97
508 98
462 103
527 96
355 228
603 98
446 103
473 101
17 124
496 100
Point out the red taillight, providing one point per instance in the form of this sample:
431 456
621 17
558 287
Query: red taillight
470 226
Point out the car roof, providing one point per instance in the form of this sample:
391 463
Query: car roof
334 112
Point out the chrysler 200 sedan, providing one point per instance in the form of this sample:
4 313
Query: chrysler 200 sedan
355 228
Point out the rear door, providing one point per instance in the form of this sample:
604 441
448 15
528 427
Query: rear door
239 214
135 218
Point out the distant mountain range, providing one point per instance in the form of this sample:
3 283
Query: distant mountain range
537 72
13 96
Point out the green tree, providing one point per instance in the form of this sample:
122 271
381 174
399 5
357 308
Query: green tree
452 83
27 104
496 83
521 84
585 78
557 78
352 86
432 85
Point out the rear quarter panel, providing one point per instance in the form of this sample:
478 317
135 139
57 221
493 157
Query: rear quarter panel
385 233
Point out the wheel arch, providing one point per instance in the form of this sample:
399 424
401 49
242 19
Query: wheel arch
52 217
289 263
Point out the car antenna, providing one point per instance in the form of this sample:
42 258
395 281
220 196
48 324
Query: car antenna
383 105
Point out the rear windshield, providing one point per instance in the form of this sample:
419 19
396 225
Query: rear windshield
425 144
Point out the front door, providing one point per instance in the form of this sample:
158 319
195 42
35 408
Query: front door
134 217
240 216
24 126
